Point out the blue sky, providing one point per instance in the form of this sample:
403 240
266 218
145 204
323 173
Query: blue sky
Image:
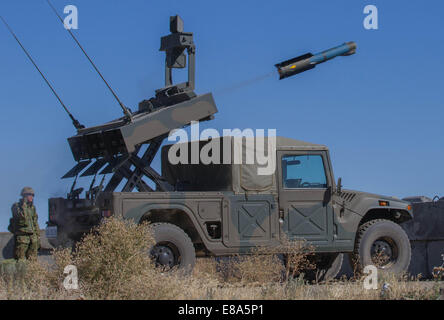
380 111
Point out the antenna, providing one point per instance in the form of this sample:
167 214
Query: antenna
75 122
125 109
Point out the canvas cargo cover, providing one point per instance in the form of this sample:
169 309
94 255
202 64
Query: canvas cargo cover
240 165
195 176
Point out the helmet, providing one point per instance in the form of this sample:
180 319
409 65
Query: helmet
26 190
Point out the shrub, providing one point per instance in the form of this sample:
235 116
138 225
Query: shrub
268 264
111 255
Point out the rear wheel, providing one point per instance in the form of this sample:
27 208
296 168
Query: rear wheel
173 248
384 244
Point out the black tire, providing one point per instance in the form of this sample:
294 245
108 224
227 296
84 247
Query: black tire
384 244
328 266
171 239
333 266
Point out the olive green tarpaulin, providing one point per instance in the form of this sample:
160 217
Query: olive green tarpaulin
248 158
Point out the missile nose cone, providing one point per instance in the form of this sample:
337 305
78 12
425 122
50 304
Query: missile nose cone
352 45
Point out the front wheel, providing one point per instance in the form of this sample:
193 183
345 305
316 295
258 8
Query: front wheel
173 248
384 244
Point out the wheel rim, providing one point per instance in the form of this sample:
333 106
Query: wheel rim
384 252
165 255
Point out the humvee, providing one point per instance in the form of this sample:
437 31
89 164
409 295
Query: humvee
226 209
300 200
223 208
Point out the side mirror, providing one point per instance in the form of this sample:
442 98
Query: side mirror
339 186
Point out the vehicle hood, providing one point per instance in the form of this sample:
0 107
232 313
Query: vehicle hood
361 202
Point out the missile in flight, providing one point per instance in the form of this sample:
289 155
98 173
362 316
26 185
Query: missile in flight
309 61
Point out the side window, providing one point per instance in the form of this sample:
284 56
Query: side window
303 171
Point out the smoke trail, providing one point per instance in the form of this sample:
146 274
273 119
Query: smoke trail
243 84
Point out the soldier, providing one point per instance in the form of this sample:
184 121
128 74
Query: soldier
25 226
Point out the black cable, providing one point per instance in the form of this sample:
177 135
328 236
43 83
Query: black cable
75 122
125 110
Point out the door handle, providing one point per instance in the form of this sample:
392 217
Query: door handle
281 217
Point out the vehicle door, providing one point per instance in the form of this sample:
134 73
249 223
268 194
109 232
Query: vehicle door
305 196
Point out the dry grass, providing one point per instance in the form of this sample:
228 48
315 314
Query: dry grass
438 272
266 265
113 263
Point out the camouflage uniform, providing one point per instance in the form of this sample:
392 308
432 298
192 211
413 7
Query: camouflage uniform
26 230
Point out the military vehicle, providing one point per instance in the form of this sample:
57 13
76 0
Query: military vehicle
222 208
